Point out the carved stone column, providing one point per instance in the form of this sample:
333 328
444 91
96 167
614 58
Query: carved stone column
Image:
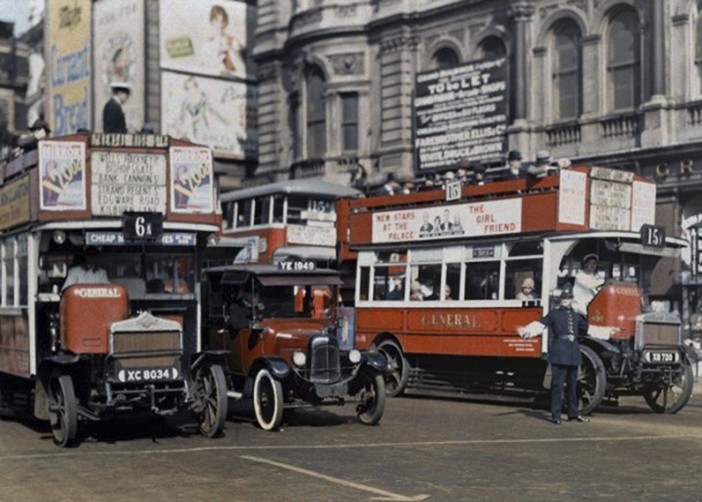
521 13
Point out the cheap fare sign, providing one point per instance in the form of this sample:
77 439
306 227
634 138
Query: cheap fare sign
449 222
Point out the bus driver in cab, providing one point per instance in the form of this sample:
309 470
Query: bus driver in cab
85 269
588 282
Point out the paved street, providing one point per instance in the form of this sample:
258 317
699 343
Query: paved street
424 449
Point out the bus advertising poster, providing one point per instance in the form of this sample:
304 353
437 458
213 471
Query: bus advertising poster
217 49
456 221
119 57
127 181
192 189
62 175
218 113
68 65
14 203
461 113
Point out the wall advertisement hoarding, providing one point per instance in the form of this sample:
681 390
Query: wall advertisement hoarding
119 57
68 65
461 112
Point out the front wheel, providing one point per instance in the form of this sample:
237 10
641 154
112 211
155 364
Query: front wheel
396 380
670 396
63 410
210 394
268 400
592 381
372 396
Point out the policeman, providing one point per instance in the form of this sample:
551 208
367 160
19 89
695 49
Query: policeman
563 354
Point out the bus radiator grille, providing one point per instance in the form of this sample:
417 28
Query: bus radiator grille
147 349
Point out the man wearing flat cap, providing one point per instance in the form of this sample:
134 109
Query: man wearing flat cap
563 353
113 118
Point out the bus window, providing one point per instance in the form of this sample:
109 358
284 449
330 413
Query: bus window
390 274
278 208
364 283
8 254
172 274
429 279
22 267
245 208
297 204
453 281
128 273
482 280
228 216
262 211
517 272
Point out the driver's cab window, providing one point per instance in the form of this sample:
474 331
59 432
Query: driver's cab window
169 274
301 301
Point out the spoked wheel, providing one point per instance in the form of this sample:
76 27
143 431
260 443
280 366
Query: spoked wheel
210 395
268 400
671 396
372 396
63 410
396 379
592 381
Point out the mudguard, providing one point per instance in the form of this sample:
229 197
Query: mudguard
41 400
209 356
375 360
278 367
598 345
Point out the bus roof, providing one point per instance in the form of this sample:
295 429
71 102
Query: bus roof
316 187
271 275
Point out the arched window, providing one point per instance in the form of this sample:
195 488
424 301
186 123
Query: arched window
444 58
491 48
316 113
624 61
567 72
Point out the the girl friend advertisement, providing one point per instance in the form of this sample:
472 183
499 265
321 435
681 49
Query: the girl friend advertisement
62 175
191 180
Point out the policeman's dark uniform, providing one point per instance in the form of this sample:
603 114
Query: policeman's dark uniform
564 356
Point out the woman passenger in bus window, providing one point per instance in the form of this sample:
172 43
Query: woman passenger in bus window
416 291
527 290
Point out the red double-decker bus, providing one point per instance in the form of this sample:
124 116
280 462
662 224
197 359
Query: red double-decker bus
439 276
102 239
285 220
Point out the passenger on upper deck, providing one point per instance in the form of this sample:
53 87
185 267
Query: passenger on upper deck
514 169
478 169
588 282
542 167
85 269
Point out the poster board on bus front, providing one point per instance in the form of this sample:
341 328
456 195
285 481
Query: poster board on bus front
191 180
62 176
127 181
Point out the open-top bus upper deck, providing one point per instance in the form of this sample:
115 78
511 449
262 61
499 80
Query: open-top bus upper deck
578 199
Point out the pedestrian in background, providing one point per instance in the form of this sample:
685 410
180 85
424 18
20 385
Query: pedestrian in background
113 118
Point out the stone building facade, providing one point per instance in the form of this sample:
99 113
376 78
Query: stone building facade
611 82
